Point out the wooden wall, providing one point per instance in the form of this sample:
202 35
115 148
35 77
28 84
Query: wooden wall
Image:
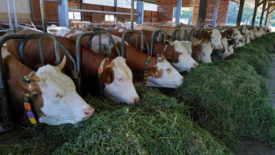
52 13
166 10
222 12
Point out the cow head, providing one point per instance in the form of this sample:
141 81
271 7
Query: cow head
251 35
185 61
230 49
237 43
206 49
118 79
54 96
225 44
216 39
245 30
164 74
188 46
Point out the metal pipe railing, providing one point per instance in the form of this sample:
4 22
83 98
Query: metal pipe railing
9 14
14 14
96 11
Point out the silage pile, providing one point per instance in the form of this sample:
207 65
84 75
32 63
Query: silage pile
229 98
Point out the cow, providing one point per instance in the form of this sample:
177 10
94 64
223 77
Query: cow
237 43
174 52
214 36
202 50
52 94
251 35
161 73
256 33
230 49
188 46
116 76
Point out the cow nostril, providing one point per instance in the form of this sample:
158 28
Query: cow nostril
136 99
89 112
196 64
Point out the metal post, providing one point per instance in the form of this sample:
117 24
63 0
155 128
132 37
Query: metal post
215 14
240 13
9 14
140 11
32 12
132 14
202 14
63 14
178 12
14 14
268 7
43 16
262 15
115 10
255 12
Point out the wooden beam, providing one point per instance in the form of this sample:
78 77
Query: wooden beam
202 14
240 13
255 12
264 1
262 15
215 14
271 11
57 1
81 7
268 6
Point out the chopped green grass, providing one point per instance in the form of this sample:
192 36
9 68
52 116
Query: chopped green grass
156 125
229 98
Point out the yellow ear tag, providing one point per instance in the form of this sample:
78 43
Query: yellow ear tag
205 39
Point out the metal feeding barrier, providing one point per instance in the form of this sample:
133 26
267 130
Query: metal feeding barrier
57 43
102 49
81 25
157 36
193 33
3 92
179 34
143 41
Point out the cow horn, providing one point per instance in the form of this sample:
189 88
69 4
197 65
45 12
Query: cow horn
212 43
32 79
62 64
223 30
228 39
111 65
170 42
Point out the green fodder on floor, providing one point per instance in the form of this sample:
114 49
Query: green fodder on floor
156 125
229 98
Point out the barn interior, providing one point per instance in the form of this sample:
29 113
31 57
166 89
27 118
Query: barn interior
224 103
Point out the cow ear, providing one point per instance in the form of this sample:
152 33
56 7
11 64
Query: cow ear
22 86
107 76
160 57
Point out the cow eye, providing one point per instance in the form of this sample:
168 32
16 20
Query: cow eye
180 53
168 70
120 80
58 96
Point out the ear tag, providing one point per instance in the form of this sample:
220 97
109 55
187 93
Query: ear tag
100 70
205 39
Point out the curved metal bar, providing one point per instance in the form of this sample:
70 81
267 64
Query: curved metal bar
154 38
143 40
57 44
181 33
3 88
193 31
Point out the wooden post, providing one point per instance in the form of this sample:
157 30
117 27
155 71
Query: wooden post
202 14
262 15
240 13
215 12
266 17
81 7
255 12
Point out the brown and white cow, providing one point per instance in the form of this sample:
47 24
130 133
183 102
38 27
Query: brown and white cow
161 73
116 76
52 93
202 50
175 53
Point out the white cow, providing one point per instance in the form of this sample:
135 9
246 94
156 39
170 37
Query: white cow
216 39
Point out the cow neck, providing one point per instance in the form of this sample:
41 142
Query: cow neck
17 74
135 59
196 51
